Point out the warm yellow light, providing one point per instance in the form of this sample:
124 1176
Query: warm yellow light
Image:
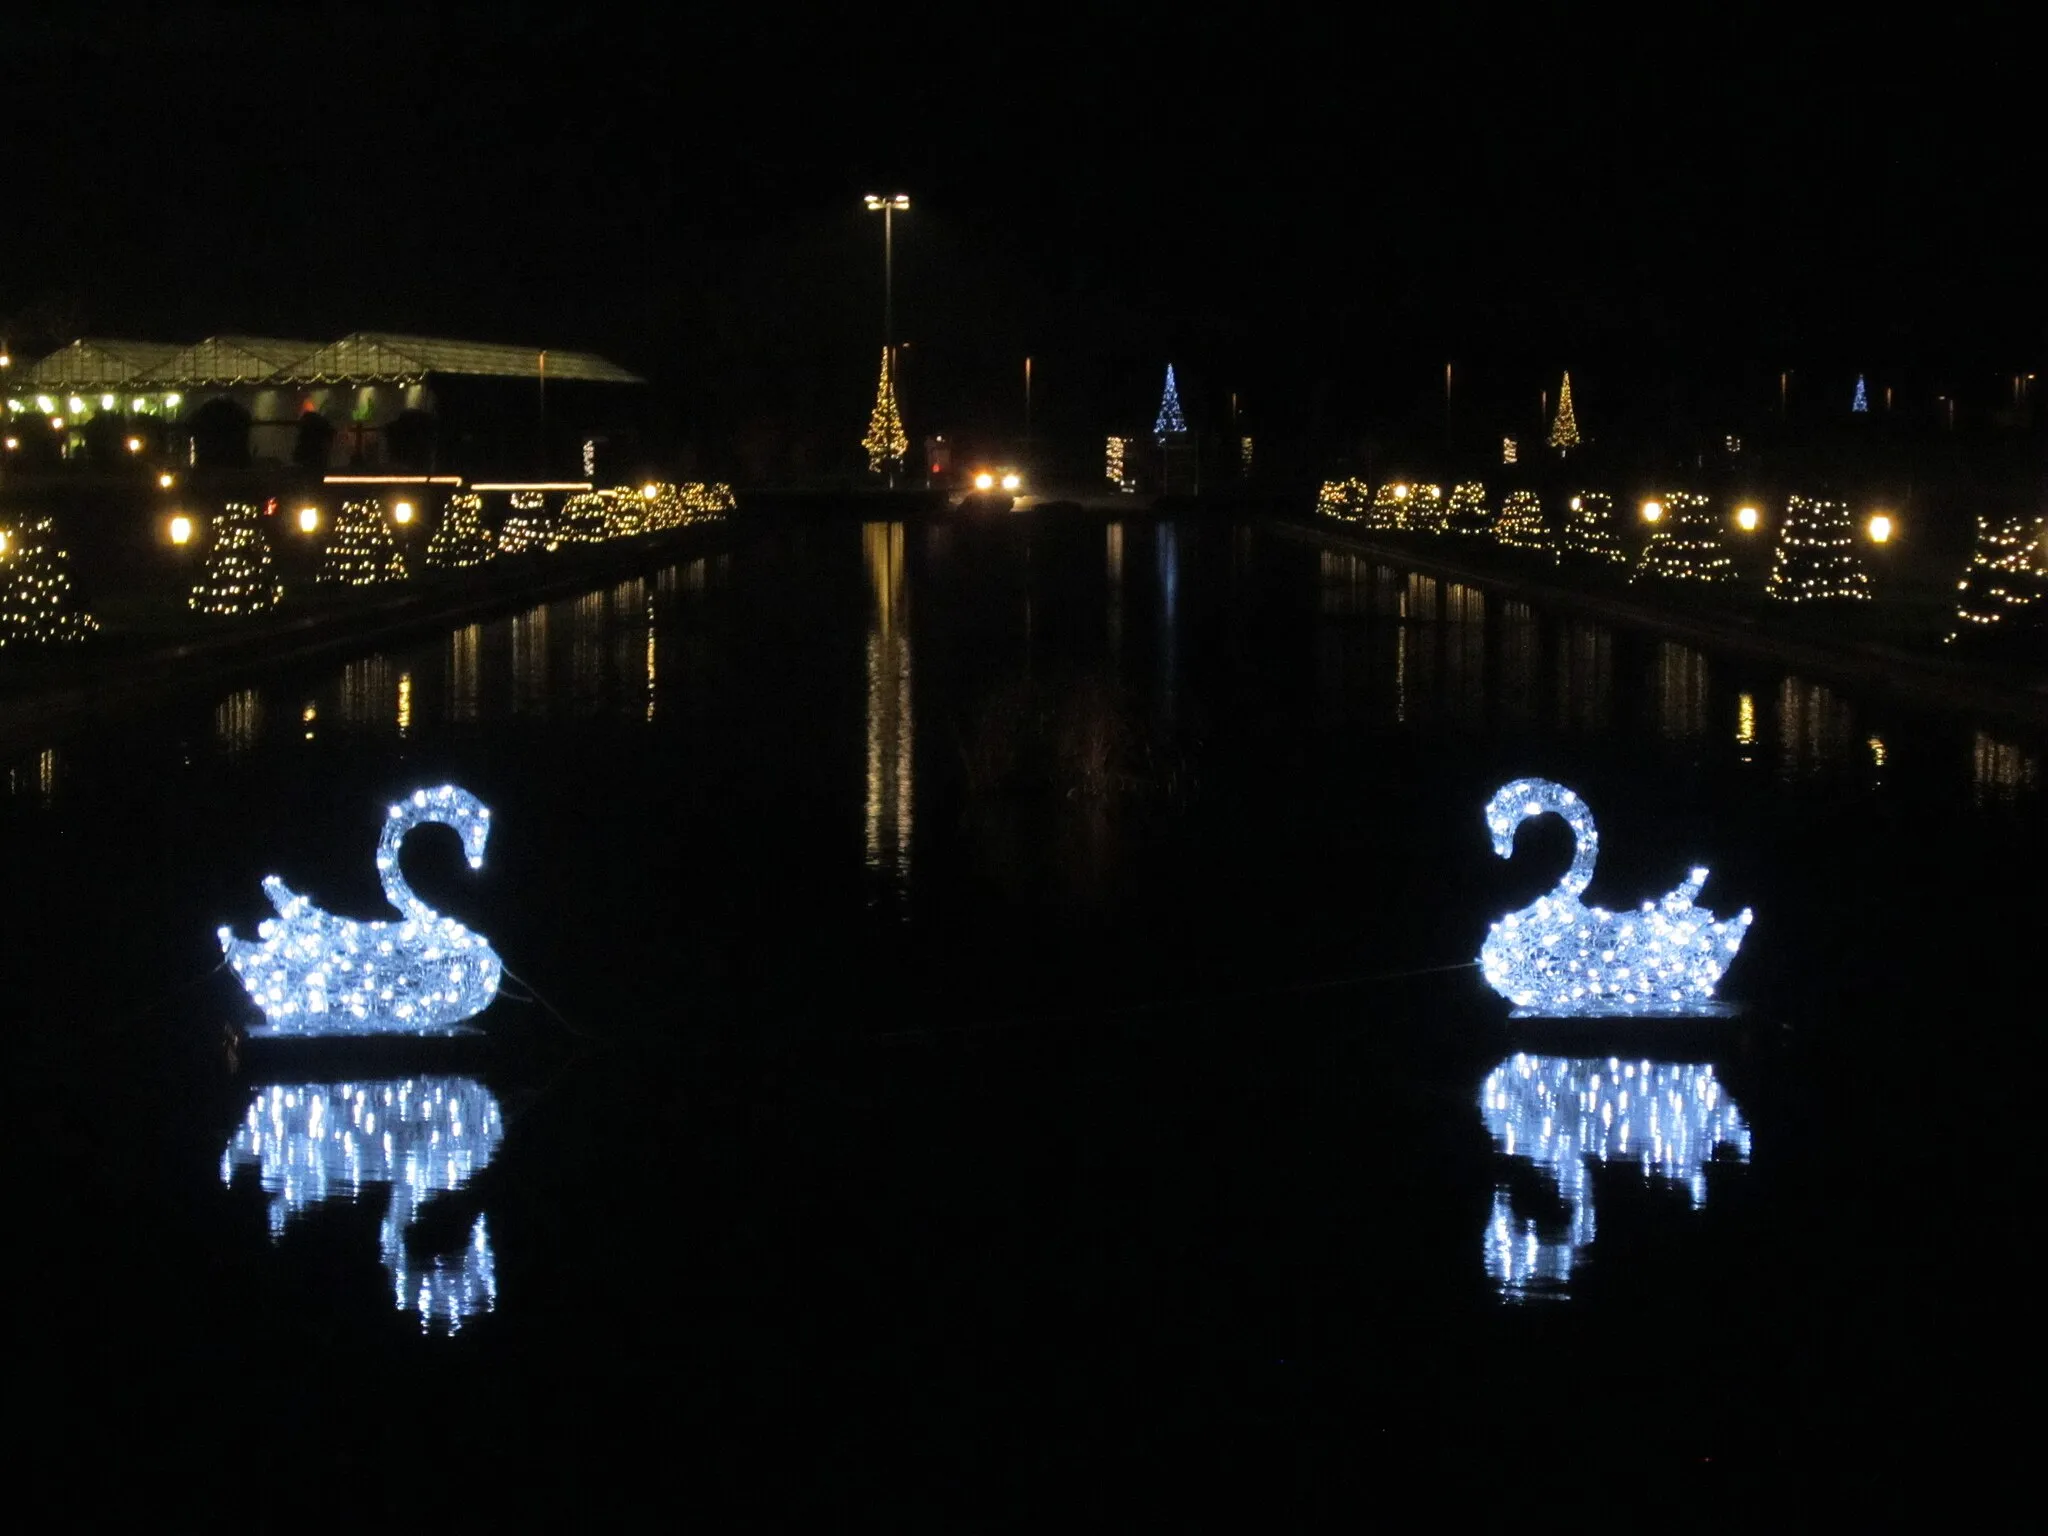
1652 510
106 402
1880 529
173 398
57 422
649 491
135 445
984 481
13 443
164 480
1012 481
77 405
181 529
1400 493
1576 500
4 540
1746 518
402 513
309 519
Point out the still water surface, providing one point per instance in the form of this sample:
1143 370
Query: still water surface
1003 1011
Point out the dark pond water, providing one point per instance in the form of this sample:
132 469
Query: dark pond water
1007 1032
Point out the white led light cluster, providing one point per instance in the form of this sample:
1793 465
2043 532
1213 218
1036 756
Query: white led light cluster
1667 1118
1171 420
1559 957
316 1142
1816 554
239 576
315 973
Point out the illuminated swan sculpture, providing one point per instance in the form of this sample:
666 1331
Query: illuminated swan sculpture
313 973
1559 956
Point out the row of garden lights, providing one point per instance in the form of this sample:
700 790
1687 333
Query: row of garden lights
1879 527
180 527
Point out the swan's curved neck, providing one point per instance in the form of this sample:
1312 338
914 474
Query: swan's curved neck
1527 798
396 890
450 808
1586 849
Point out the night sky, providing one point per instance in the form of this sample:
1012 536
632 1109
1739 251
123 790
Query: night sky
1315 217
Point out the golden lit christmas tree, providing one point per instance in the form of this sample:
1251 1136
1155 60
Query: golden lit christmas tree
37 603
239 576
1685 542
460 539
360 553
2007 576
886 442
1816 554
1590 530
1345 500
1564 431
530 526
1468 513
1520 524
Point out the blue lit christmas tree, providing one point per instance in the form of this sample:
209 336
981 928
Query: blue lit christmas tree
1170 421
1862 400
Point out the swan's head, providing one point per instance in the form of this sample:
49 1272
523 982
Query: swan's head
1513 804
450 806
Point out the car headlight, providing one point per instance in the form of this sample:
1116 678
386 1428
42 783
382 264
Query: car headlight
1012 481
984 481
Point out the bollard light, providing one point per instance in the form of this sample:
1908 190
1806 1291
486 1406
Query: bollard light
1652 510
1880 528
309 519
181 529
402 513
1747 518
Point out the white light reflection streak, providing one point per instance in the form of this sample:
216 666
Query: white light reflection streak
1563 1115
315 1142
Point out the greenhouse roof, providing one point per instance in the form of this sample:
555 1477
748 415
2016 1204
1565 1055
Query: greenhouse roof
91 363
229 360
378 356
367 357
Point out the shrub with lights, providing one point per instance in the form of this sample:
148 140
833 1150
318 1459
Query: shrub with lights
360 552
1685 542
1590 530
1520 524
529 527
1426 510
703 502
1816 554
2006 580
1345 500
38 605
460 539
1389 512
240 575
596 517
1467 512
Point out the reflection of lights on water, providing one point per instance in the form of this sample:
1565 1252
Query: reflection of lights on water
1999 770
1877 753
308 716
465 672
404 702
1745 720
238 721
890 778
1681 691
1816 729
312 1143
1564 1115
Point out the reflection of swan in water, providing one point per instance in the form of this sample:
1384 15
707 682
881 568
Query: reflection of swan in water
1666 1117
422 1136
313 973
1560 956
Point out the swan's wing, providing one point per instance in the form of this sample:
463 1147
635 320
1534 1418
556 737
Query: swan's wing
280 894
1687 890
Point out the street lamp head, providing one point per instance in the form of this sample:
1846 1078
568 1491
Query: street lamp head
876 202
